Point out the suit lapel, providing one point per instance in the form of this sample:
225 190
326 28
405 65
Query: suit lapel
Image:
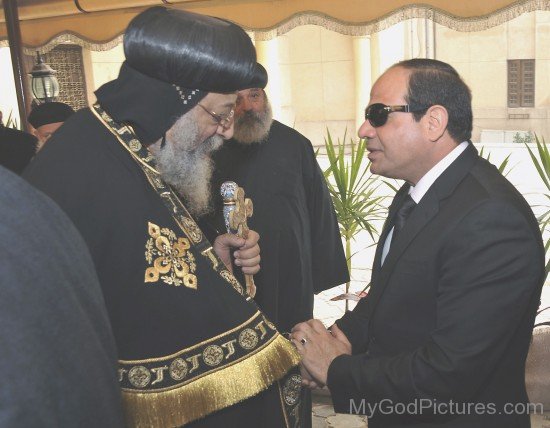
397 201
421 215
425 211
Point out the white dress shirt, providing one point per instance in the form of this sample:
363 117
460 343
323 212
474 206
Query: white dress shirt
417 192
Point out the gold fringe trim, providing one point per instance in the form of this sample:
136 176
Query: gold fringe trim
212 392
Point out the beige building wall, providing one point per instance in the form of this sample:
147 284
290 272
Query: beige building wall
321 79
326 77
542 71
101 67
481 58
319 68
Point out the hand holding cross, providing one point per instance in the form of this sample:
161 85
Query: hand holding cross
236 210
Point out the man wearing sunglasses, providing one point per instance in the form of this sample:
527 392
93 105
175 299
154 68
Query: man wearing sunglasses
442 337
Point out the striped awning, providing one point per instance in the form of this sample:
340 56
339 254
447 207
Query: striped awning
96 22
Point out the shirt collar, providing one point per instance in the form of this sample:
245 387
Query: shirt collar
417 192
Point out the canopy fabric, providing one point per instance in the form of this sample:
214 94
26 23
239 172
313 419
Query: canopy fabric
95 23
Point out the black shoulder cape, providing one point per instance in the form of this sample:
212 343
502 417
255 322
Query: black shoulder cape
189 342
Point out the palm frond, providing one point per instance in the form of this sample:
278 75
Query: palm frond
354 191
11 121
502 167
541 162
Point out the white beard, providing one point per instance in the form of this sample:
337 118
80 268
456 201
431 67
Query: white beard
185 163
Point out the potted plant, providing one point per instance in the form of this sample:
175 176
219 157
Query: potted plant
353 191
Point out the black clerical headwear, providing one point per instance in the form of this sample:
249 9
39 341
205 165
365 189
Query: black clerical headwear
44 114
192 51
173 59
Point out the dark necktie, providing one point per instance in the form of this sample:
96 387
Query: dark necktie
401 215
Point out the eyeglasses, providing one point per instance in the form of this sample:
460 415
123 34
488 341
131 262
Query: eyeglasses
377 114
224 120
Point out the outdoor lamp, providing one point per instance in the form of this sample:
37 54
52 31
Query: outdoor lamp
45 86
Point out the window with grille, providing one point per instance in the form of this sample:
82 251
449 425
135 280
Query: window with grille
521 83
67 61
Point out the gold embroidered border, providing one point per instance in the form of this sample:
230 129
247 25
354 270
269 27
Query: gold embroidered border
283 407
212 392
217 353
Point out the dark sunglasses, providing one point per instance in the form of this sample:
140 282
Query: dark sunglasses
377 114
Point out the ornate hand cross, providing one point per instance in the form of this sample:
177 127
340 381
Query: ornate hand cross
236 210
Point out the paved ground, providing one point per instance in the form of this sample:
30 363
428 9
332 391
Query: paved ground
540 421
324 416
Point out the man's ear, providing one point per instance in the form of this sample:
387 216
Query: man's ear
437 119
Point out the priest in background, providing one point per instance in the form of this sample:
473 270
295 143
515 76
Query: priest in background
302 250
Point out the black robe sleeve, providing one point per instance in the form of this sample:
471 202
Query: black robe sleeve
329 265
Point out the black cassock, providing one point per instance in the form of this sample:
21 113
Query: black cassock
191 346
300 243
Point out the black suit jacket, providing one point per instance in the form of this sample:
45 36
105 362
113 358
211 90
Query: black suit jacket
449 316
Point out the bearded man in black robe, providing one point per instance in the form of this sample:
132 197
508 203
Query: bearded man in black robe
302 250
133 173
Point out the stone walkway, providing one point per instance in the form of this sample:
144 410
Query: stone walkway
323 415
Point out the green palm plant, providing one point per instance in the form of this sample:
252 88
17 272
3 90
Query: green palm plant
353 191
11 121
541 161
503 165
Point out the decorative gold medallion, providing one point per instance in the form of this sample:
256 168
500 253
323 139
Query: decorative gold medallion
292 389
172 261
212 355
248 339
139 376
191 229
178 369
134 145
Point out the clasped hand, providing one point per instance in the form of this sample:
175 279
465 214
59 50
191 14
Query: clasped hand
246 254
318 348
